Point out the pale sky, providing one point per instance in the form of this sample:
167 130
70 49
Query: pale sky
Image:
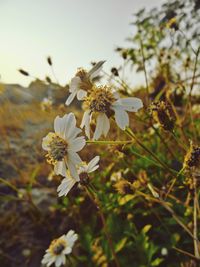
72 32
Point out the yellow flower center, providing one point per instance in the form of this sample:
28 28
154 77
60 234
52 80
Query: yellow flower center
100 100
58 148
57 246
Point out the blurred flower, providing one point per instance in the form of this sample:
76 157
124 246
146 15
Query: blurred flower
46 104
99 258
172 24
164 251
84 170
59 248
116 176
163 114
104 103
63 145
82 82
123 187
196 108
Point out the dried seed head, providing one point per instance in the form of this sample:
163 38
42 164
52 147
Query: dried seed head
123 187
23 72
192 158
162 113
85 84
115 71
49 61
48 79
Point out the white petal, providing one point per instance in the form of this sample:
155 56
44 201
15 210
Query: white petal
121 118
132 104
81 94
86 122
77 144
58 261
74 85
46 140
66 185
73 133
68 250
63 259
94 72
65 124
71 237
58 125
60 168
99 126
92 164
69 122
73 159
70 98
106 125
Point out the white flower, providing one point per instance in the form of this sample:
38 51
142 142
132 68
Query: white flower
84 169
63 145
105 104
59 248
82 82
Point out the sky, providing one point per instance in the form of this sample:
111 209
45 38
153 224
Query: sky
72 32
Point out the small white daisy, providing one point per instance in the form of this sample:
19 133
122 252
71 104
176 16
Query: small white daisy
105 104
83 170
82 82
59 248
63 145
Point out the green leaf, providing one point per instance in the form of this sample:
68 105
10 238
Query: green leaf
121 244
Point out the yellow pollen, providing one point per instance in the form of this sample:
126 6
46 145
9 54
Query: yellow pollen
57 246
100 100
58 149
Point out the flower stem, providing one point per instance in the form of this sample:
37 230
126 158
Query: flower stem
93 196
195 229
117 142
174 181
130 133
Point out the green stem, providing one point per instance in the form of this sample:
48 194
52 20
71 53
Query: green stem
93 196
130 133
174 181
195 220
145 158
9 184
181 145
101 142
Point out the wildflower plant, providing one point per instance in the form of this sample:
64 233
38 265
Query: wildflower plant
124 164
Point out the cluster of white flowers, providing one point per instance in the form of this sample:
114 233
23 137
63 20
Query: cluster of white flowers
100 104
